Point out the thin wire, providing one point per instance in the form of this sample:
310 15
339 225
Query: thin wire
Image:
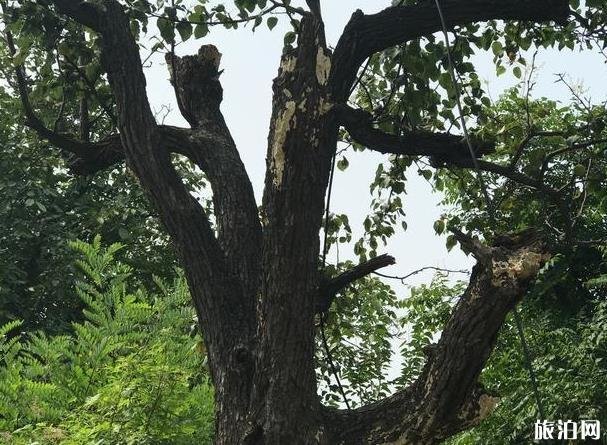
490 209
330 360
325 249
458 102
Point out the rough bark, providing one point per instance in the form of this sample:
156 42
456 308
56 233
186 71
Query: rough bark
298 163
255 283
211 147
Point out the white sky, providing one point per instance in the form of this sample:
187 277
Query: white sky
250 61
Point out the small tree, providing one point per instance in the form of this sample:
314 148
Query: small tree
254 275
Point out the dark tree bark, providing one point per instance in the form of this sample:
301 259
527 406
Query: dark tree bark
255 278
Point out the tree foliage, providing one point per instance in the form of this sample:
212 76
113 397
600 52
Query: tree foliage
131 372
45 207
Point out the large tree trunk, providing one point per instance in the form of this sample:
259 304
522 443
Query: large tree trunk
254 279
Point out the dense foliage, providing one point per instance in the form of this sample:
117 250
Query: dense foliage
132 372
44 207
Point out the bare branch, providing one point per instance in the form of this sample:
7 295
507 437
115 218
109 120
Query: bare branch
331 287
420 270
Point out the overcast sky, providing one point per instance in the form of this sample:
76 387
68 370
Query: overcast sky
250 61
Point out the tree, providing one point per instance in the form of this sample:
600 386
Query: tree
254 276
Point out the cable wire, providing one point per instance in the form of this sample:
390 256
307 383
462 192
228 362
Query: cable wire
325 249
490 209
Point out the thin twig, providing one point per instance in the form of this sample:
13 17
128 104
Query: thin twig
415 272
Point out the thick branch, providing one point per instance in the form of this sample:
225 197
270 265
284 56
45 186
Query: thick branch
442 146
87 13
88 158
447 398
84 157
226 314
473 246
444 149
365 35
331 287
199 93
300 144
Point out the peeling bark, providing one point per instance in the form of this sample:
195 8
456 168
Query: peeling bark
299 159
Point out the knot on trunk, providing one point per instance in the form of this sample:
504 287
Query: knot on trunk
517 258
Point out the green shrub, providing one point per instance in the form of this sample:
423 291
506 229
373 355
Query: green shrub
131 373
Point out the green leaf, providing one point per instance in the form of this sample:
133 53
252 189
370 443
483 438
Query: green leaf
517 72
271 22
166 29
427 174
497 48
290 38
342 164
439 226
185 30
451 242
19 57
200 30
